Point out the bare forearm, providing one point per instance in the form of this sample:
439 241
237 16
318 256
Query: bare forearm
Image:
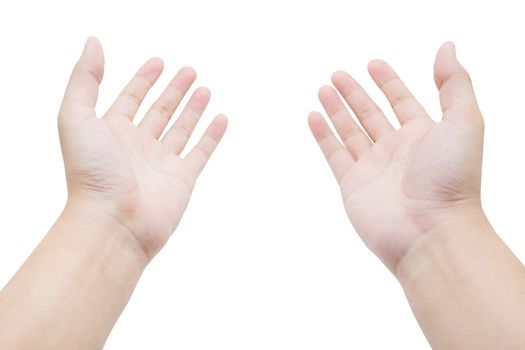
466 288
72 289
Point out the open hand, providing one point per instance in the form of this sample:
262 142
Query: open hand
126 171
398 185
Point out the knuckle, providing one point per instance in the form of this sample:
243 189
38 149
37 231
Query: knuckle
132 96
164 111
367 113
350 132
183 130
400 99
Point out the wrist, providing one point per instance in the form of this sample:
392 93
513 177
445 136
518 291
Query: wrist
84 271
447 233
104 223
464 285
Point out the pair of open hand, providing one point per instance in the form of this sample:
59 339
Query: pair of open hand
397 184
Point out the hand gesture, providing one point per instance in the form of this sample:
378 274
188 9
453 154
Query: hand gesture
398 185
126 172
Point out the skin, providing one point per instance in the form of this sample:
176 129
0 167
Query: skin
413 196
128 188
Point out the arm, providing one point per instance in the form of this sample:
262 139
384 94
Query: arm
465 287
72 289
127 190
413 195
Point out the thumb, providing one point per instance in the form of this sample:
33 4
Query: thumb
456 93
82 90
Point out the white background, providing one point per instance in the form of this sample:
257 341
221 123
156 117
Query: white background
264 257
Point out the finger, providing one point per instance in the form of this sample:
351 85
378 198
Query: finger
335 153
161 111
403 103
82 90
366 110
129 100
201 153
178 135
455 86
351 134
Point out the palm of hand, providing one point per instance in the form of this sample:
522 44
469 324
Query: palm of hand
110 160
395 188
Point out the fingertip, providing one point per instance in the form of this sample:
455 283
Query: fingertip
184 79
314 115
152 68
454 83
377 65
222 119
325 91
445 63
156 64
157 61
380 71
218 127
344 83
452 47
203 92
92 58
339 76
84 82
92 43
448 47
317 125
189 72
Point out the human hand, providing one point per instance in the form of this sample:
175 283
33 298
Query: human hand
399 185
125 172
